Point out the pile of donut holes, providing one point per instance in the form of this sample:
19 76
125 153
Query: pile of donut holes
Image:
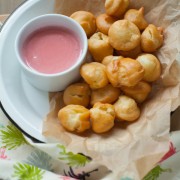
122 71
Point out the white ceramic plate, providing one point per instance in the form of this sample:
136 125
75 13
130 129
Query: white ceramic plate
24 104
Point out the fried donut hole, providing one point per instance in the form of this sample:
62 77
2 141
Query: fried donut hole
102 117
151 38
116 8
137 17
87 20
124 35
94 74
103 22
107 94
124 72
126 109
99 46
78 93
74 118
131 54
110 58
139 92
151 65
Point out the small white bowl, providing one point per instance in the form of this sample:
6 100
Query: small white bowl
58 81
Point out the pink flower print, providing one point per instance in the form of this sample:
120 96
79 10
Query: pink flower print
2 153
172 150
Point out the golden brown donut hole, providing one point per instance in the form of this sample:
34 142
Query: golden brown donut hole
103 22
116 8
77 93
87 20
126 109
124 35
107 94
137 17
124 72
99 46
102 117
94 74
151 39
74 118
151 65
139 92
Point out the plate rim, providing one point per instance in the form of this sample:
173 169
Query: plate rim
5 105
35 140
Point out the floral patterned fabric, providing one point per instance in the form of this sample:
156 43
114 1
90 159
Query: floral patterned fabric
22 159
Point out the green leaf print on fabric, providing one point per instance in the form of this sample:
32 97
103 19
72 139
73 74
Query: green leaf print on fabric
155 173
12 137
27 172
40 159
74 160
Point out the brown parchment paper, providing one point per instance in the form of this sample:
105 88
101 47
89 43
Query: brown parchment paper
130 149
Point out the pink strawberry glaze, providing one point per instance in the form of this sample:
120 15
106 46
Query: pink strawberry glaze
51 50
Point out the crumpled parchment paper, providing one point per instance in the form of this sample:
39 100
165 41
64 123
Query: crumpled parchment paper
130 149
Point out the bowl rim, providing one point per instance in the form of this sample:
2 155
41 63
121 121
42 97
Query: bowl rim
65 72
